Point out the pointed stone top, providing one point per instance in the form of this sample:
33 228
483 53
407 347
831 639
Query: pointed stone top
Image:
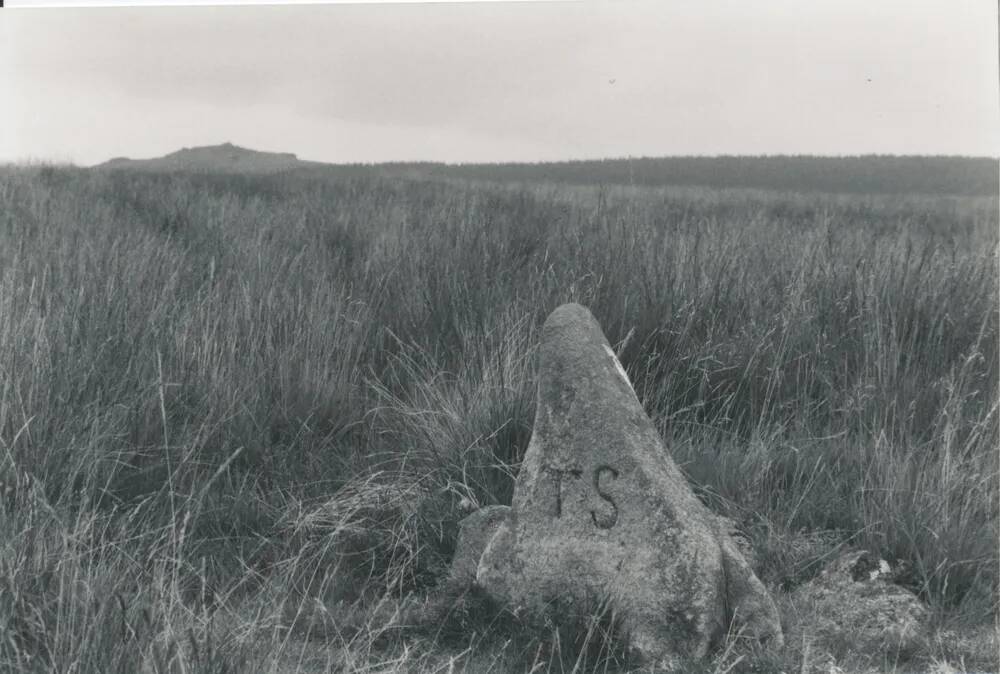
581 381
571 311
575 319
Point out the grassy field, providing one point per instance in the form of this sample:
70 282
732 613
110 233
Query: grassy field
239 416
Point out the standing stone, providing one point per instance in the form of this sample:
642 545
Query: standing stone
602 514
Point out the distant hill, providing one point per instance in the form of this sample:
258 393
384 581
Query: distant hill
225 158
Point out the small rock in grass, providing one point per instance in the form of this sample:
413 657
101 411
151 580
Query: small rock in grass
855 600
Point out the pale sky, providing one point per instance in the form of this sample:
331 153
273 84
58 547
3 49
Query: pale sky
522 81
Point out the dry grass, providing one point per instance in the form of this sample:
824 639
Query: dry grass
239 416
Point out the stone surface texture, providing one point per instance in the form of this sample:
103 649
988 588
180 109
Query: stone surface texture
474 533
601 513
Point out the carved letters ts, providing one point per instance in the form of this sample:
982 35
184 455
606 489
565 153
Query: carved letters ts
599 481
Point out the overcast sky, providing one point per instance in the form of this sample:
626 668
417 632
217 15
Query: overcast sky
503 81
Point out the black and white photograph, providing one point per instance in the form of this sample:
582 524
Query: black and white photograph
500 337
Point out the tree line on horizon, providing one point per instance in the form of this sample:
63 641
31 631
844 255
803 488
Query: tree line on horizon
871 174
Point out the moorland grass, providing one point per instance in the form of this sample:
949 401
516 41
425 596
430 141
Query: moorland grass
238 415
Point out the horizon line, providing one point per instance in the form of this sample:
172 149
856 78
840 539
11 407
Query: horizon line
51 161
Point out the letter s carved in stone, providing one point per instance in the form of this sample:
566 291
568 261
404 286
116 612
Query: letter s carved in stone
609 520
